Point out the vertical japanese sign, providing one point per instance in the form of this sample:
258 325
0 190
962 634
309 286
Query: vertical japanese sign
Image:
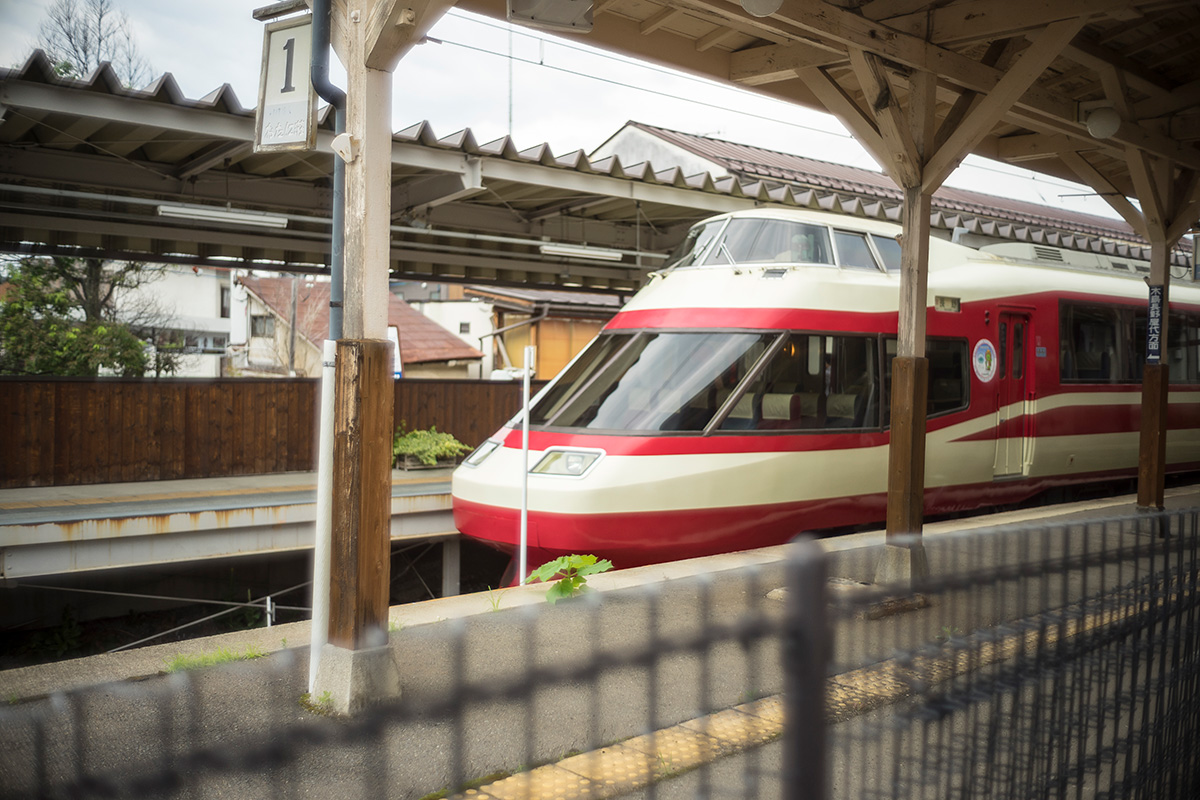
1154 326
287 101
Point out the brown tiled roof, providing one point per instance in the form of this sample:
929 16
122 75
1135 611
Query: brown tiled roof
747 161
421 339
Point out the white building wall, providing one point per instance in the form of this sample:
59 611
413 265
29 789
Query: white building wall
475 315
189 301
634 146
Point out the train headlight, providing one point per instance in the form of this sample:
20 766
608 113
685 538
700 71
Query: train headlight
483 451
569 463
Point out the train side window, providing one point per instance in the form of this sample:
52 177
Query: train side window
1183 353
1101 344
853 251
1018 350
889 250
949 381
819 382
949 385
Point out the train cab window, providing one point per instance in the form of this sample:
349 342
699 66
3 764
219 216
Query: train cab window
694 244
853 251
889 250
748 241
657 382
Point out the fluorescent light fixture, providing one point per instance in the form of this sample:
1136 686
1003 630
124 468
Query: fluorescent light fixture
580 251
217 214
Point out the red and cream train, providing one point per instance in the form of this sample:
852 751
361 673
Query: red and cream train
741 396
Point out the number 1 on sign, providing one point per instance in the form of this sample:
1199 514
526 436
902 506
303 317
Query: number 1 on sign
289 47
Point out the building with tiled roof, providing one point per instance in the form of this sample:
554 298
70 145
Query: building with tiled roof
427 350
977 218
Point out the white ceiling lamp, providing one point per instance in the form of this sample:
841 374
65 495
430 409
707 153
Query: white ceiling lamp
580 251
1103 122
218 214
761 8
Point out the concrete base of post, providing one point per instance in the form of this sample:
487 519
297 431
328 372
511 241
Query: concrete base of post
902 564
356 679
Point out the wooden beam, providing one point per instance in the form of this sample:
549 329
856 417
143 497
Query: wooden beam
1179 99
1094 178
396 26
978 20
716 37
1019 77
659 20
1034 146
841 105
777 62
1150 193
890 120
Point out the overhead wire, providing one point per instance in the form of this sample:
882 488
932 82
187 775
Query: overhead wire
595 53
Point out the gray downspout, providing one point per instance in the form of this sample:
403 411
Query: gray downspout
336 98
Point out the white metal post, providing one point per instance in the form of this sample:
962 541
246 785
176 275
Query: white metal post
323 536
523 558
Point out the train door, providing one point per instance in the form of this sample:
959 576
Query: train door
1013 382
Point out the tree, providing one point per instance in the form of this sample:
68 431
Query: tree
60 317
79 35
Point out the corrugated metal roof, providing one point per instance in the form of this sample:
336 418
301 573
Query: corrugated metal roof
759 163
201 151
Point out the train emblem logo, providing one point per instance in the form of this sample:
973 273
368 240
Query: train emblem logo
984 360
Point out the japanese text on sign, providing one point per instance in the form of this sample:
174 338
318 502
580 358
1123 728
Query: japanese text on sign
1154 326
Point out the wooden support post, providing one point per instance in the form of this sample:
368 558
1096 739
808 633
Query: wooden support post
910 373
1152 444
361 552
906 455
1152 455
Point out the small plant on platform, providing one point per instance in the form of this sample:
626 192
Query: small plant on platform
221 656
321 706
494 596
571 572
426 446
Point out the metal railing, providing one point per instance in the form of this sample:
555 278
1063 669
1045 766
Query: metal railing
1059 661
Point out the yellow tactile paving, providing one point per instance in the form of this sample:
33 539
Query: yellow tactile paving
633 764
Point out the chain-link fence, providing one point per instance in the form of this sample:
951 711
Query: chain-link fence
1059 661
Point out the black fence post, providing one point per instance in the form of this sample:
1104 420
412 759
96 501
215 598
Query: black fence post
806 652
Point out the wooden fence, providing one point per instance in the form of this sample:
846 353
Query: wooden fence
66 431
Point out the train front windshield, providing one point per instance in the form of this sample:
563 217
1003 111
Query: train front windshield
651 381
710 381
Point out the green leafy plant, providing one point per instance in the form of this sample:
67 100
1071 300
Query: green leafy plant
571 573
427 446
221 656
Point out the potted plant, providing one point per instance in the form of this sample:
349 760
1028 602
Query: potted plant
426 448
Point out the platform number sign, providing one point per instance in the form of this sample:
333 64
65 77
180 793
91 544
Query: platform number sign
287 101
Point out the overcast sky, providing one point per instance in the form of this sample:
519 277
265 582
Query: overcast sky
560 92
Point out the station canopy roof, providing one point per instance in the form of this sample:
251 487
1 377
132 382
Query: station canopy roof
91 168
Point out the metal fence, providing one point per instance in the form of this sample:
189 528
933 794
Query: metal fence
1054 662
